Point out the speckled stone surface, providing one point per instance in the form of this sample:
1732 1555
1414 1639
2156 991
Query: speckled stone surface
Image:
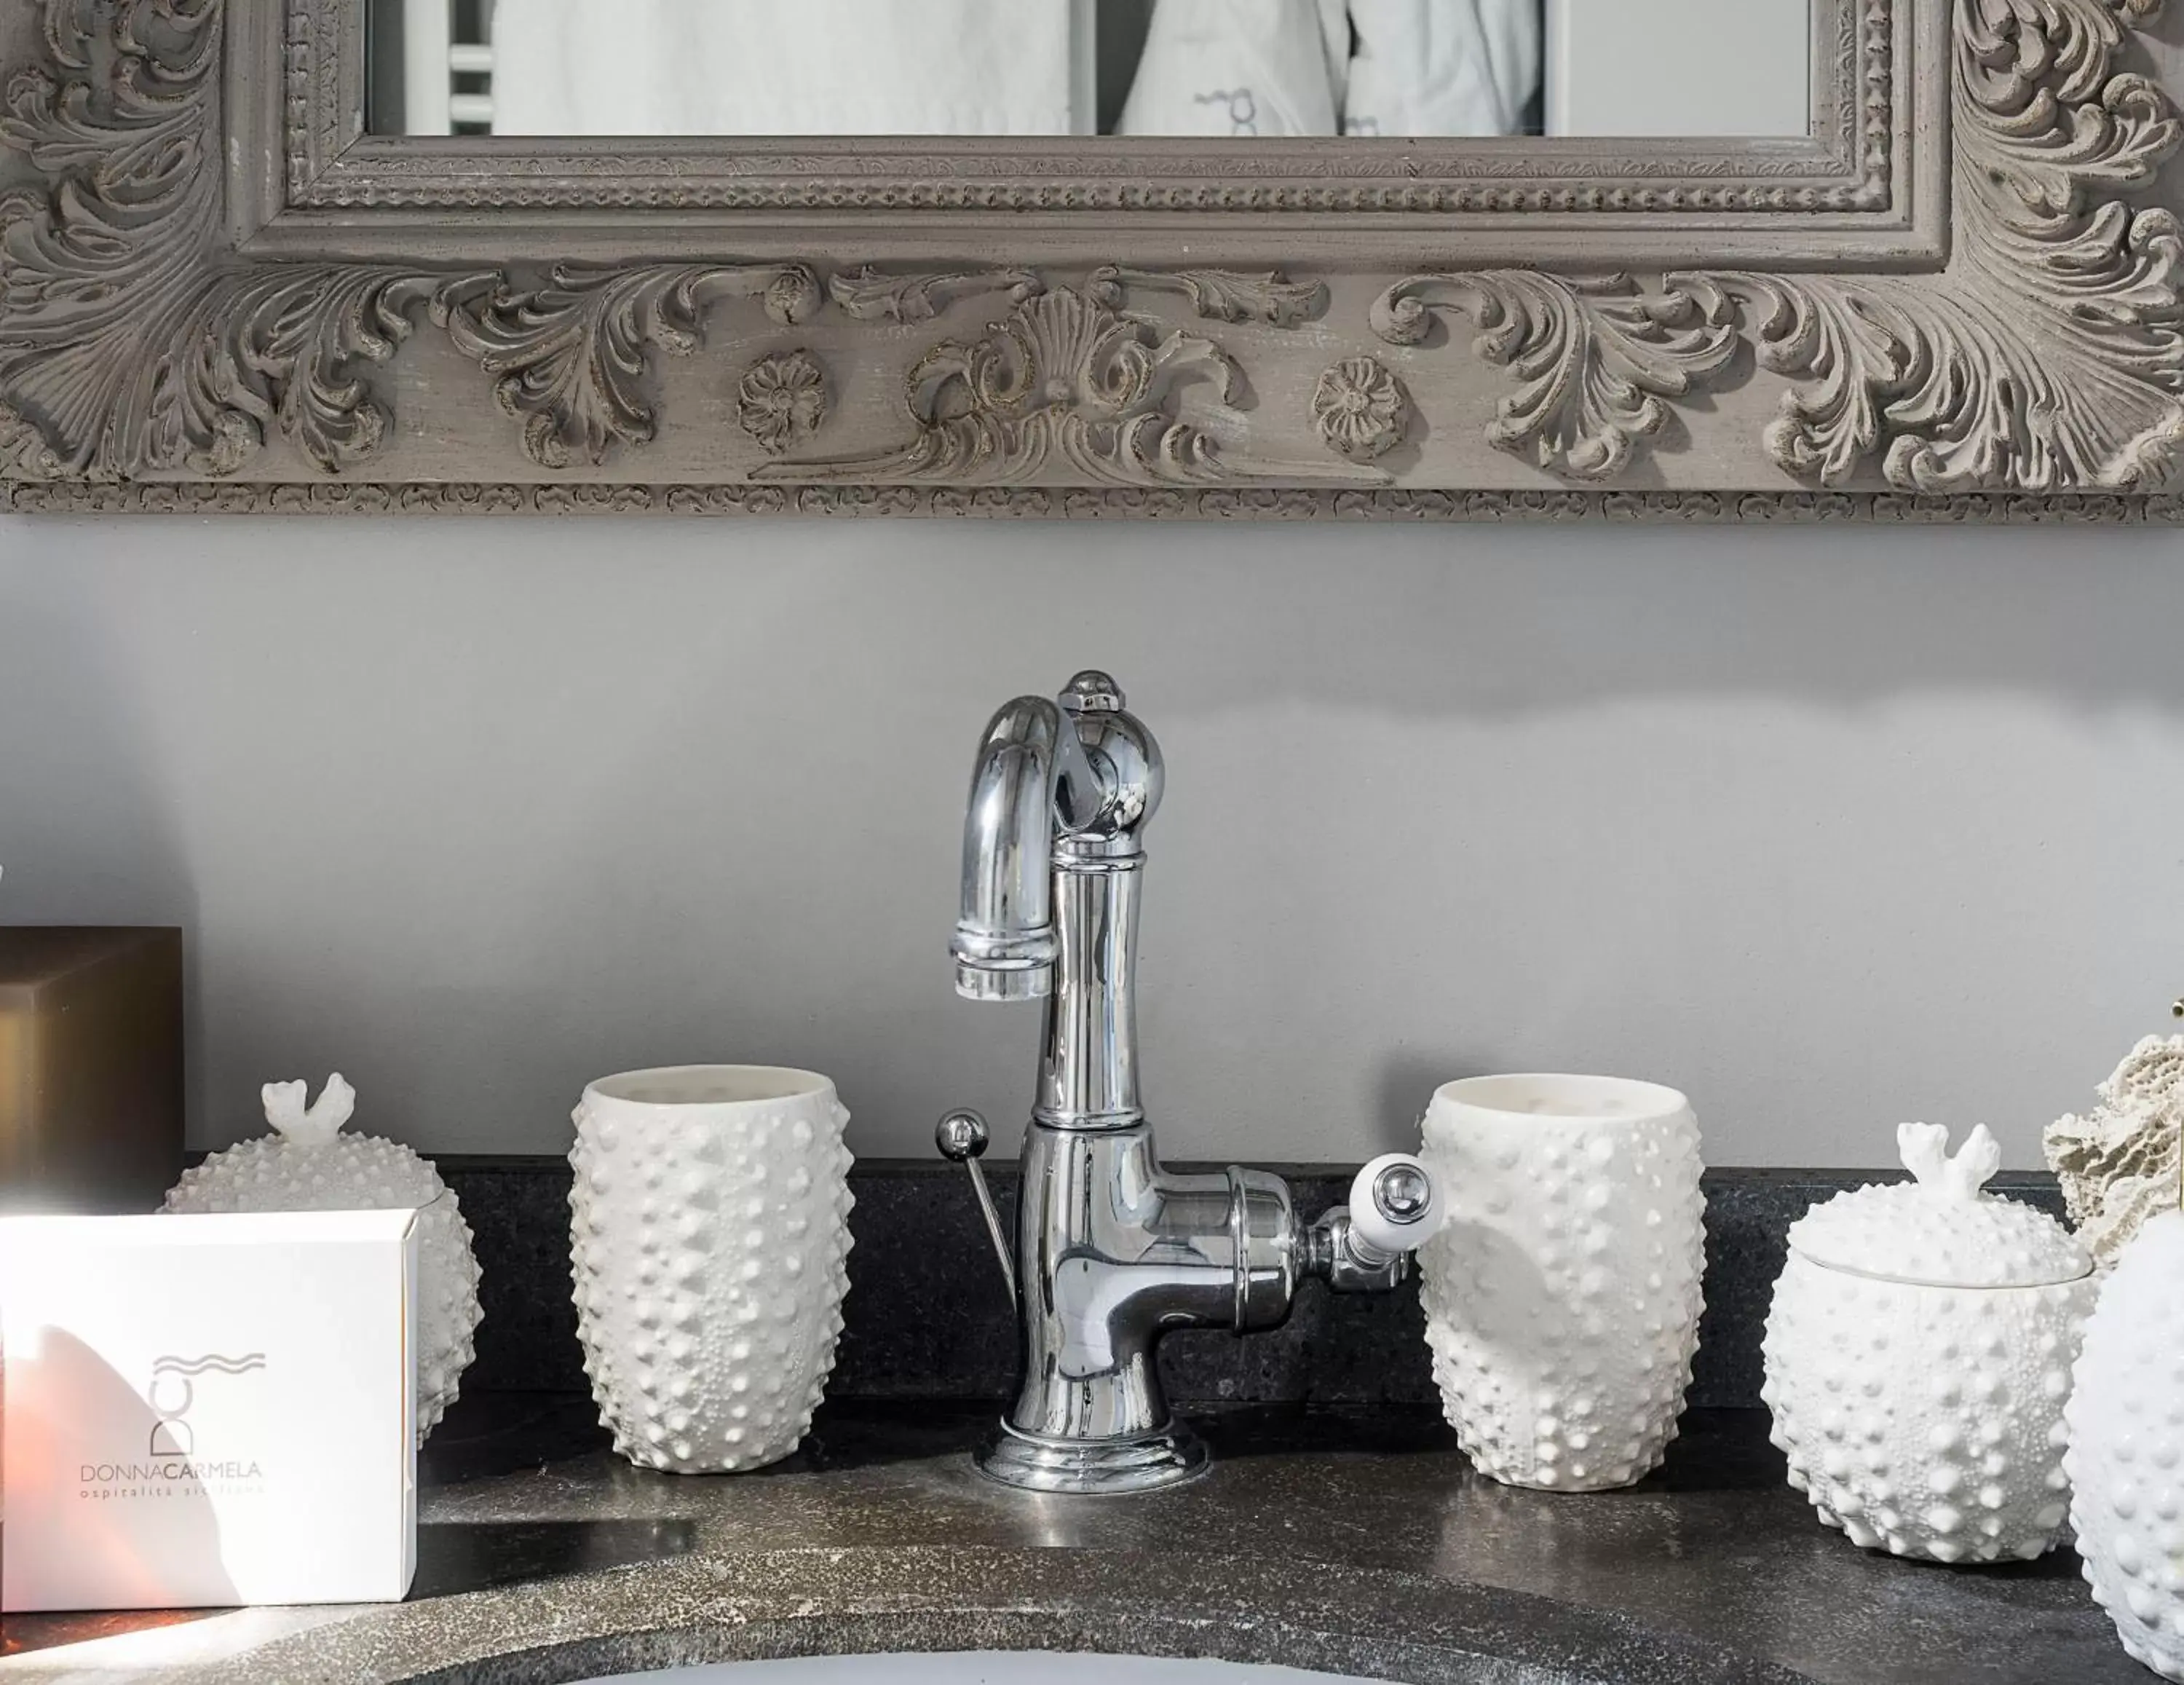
1357 1542
926 1316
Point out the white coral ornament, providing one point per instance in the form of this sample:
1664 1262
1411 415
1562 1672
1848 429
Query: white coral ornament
2126 1421
1919 1354
307 1164
2124 1162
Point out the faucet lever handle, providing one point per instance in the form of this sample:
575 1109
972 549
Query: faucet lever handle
1393 1205
1366 1246
962 1138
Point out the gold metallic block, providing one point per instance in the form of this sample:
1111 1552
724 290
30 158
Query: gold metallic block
91 1067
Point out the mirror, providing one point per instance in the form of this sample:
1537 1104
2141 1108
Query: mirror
1217 69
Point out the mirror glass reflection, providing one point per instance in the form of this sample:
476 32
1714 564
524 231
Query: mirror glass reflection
1243 69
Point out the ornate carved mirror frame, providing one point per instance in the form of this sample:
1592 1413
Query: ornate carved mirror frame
1957 298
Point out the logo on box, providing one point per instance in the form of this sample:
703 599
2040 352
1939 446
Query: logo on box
174 1389
171 1463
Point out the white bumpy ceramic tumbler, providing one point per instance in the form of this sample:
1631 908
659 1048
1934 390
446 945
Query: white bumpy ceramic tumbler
709 1236
1562 1295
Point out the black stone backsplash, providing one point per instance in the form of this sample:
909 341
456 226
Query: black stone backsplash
928 1318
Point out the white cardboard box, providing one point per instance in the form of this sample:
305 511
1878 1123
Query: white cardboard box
200 1412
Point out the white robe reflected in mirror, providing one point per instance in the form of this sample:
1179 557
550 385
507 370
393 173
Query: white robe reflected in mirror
762 67
1397 68
1240 67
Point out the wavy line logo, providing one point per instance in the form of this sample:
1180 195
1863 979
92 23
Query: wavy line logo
174 1389
194 1366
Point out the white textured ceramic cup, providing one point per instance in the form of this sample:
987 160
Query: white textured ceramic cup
1562 1295
709 1231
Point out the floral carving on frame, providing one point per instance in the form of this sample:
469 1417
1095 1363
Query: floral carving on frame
1360 410
782 400
1063 383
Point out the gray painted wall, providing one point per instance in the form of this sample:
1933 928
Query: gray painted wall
1831 828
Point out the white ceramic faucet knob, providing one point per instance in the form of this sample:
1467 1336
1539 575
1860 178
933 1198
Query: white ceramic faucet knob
1393 1205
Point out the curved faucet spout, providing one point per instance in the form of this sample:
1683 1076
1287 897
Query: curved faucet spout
1031 776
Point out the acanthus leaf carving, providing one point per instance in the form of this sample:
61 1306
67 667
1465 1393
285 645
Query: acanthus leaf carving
131 351
117 340
24 455
1596 356
2050 358
569 360
1064 385
1216 294
284 350
869 295
126 348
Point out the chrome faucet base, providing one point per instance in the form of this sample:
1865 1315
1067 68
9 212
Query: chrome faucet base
1093 1468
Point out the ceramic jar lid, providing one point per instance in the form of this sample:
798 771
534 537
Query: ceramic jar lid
1941 1229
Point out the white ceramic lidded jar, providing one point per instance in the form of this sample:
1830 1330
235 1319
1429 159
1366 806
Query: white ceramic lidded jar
308 1163
1919 1354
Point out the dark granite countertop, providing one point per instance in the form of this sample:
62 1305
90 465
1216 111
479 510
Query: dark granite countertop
1356 1541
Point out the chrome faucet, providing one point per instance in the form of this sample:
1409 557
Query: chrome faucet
1112 1251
